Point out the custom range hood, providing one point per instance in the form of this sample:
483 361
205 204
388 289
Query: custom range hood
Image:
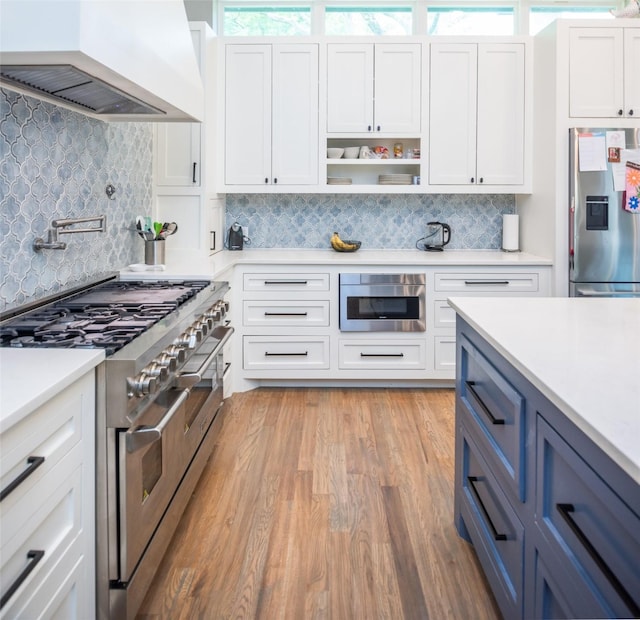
111 59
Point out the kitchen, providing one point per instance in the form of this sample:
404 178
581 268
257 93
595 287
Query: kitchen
73 159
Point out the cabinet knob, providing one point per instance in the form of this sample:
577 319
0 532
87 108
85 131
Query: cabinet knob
481 180
275 180
473 180
266 180
378 128
620 112
630 112
368 127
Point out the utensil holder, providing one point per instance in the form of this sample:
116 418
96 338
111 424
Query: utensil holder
154 252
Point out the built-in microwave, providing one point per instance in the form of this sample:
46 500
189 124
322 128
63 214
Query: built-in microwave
382 302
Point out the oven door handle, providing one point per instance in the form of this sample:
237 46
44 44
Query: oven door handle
144 435
188 379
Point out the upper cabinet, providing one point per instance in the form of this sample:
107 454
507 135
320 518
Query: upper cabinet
604 76
374 88
271 115
477 114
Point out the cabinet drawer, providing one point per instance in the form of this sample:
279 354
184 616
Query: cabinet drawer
495 413
286 313
382 355
590 528
486 282
444 353
50 523
495 530
48 433
285 353
443 314
279 282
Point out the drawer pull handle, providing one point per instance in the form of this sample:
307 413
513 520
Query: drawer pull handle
302 282
565 511
34 463
285 313
472 486
487 282
302 354
34 557
484 408
381 354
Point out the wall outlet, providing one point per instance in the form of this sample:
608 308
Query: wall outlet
245 233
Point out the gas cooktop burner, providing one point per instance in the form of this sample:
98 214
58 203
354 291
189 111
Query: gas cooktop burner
107 316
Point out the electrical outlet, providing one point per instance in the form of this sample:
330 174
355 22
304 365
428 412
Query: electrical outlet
245 232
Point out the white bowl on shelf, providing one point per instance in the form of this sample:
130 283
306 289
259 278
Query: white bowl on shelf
351 152
334 153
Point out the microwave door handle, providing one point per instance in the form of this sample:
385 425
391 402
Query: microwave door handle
189 379
144 435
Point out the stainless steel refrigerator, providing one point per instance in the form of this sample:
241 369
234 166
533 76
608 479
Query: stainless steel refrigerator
604 219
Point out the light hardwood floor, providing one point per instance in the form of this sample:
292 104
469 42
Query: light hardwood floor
325 503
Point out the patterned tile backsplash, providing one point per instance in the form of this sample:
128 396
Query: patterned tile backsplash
392 221
56 164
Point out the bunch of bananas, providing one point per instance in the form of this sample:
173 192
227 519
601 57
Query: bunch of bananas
343 246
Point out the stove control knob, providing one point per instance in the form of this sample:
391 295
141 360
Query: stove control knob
214 314
142 384
206 323
177 353
194 332
221 309
225 305
170 362
156 370
186 340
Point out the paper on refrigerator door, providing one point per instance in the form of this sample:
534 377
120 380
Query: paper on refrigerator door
592 152
619 170
632 197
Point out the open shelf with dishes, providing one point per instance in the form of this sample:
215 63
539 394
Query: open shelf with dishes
390 163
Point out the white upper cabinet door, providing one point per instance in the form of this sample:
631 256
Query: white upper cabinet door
632 72
247 114
295 115
501 106
349 88
452 123
374 88
596 72
397 106
178 154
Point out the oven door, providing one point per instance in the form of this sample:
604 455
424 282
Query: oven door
154 455
382 306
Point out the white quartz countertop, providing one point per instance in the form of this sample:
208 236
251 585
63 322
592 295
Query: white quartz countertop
582 354
216 266
30 377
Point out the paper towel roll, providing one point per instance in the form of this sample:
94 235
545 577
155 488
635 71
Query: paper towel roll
510 233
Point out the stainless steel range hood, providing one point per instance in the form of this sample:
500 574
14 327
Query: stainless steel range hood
112 59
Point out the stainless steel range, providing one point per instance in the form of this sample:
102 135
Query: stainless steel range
158 394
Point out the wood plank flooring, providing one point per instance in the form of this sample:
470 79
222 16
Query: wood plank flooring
325 503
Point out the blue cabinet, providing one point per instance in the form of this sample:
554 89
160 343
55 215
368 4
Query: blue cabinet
554 521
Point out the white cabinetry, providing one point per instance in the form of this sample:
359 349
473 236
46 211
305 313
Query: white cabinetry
374 88
271 115
48 532
481 281
477 114
604 77
182 185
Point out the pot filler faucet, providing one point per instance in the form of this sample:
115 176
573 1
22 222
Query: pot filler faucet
61 227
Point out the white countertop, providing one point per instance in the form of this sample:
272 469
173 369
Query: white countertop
582 354
186 266
30 377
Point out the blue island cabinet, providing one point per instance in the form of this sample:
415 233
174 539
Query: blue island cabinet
554 521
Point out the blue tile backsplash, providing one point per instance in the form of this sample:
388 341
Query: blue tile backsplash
390 221
56 164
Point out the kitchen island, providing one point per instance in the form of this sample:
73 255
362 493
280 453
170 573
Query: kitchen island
547 458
